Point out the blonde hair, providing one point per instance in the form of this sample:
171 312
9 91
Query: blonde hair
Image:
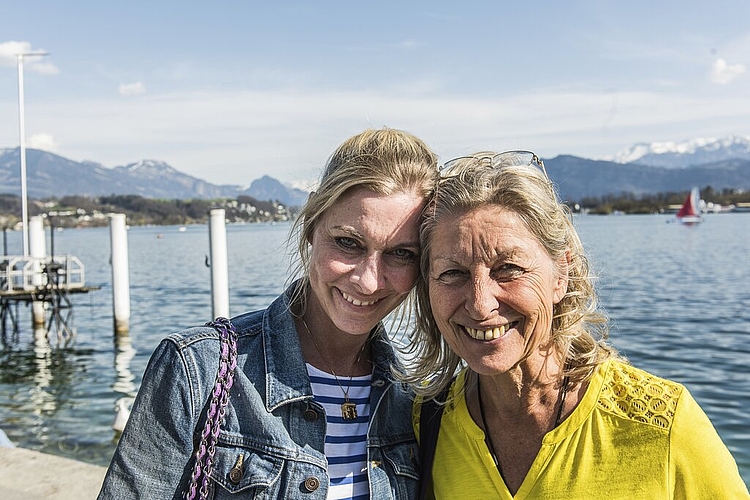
385 161
579 328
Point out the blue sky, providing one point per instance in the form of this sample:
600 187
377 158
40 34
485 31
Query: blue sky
228 91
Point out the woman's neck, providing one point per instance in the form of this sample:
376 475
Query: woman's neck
515 413
521 394
335 352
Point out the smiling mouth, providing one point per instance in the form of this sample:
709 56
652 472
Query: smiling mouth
489 334
356 302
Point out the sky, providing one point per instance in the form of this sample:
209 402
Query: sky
228 91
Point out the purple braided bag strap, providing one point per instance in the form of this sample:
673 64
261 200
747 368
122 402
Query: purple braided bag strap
204 455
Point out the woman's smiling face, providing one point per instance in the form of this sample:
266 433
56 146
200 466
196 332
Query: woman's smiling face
364 258
492 287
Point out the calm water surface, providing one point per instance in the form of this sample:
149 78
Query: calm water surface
678 298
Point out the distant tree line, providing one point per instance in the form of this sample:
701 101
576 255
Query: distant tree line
629 203
85 211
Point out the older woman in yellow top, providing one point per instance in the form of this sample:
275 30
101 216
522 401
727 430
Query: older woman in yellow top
542 407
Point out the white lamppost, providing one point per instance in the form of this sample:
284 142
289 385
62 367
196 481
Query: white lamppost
22 149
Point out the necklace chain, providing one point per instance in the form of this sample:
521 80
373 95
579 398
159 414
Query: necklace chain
348 409
561 398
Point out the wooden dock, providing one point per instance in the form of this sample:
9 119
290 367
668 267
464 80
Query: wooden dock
46 283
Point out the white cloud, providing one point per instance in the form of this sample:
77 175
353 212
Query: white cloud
8 51
131 89
43 141
723 73
40 65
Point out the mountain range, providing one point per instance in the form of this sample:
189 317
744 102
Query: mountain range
687 153
645 168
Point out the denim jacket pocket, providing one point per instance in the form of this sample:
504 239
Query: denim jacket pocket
402 457
238 469
401 460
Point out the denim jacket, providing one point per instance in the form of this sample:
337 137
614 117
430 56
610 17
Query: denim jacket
271 420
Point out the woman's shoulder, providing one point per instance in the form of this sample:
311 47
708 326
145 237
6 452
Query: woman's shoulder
625 374
638 395
196 337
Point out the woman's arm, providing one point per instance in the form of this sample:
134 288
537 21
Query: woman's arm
700 463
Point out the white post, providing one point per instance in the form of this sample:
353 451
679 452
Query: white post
22 154
217 239
38 252
37 239
120 278
22 149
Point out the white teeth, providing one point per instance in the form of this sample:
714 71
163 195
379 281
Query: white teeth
356 302
491 334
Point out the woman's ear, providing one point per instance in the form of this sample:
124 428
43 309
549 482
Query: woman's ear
563 268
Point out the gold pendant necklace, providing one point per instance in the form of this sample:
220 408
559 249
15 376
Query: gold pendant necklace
348 409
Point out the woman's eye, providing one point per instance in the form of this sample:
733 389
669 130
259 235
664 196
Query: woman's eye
508 271
347 243
451 276
405 254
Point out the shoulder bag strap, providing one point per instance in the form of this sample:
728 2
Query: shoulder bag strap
430 416
204 455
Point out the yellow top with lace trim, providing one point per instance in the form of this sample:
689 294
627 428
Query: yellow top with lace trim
632 436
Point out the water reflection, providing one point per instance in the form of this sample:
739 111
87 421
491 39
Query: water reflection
124 353
40 397
38 381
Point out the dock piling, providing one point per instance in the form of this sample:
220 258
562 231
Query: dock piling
120 278
217 239
37 250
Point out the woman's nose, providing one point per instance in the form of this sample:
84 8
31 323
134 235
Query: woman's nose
481 299
367 274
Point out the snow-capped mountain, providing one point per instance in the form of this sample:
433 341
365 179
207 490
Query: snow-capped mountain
150 166
52 175
686 154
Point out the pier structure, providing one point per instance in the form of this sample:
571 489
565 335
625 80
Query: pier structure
45 283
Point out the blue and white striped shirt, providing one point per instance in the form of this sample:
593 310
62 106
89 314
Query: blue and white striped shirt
346 440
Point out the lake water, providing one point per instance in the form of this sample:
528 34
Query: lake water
678 298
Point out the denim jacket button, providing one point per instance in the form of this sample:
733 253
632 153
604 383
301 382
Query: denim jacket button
235 475
311 415
312 483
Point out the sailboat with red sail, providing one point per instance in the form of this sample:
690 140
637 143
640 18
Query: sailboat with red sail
689 213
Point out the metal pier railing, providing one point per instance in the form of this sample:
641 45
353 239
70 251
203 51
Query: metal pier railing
45 282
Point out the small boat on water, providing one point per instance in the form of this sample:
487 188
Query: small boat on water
690 212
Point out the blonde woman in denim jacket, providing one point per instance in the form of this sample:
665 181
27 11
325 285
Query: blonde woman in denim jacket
314 411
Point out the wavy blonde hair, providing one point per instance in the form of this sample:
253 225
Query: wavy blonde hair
579 327
385 161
